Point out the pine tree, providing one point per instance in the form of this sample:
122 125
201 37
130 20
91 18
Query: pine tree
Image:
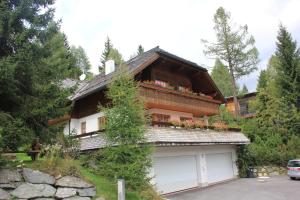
244 90
104 56
140 50
110 53
235 47
34 59
288 68
81 61
221 77
127 155
262 80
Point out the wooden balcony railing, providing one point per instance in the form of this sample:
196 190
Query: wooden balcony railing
169 99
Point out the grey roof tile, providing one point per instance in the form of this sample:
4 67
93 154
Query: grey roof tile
173 136
101 80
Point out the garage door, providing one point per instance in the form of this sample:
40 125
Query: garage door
219 167
175 173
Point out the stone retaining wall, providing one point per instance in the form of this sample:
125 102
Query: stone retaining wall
32 184
269 171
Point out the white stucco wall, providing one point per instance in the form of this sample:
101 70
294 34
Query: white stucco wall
91 124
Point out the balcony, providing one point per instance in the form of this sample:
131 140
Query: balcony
167 98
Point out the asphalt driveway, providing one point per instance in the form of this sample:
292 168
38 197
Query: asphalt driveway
274 188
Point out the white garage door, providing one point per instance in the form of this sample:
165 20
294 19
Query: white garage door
175 173
219 167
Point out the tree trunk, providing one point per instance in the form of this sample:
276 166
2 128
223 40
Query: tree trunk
234 90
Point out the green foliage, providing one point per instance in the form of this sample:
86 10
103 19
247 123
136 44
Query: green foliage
288 67
127 155
221 77
233 46
140 50
82 61
15 134
34 59
227 117
110 53
244 90
274 133
104 56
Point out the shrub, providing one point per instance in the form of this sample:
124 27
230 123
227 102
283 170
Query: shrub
126 156
15 134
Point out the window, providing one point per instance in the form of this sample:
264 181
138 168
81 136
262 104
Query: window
185 119
160 118
101 123
83 127
161 83
294 163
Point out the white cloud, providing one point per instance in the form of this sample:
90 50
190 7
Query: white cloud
175 25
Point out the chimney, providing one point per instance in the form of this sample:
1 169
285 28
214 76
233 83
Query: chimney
109 66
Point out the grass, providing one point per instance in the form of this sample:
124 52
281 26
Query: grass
105 188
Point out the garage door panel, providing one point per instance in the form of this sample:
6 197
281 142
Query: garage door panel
219 167
175 173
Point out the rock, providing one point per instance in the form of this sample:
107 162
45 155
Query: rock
77 198
34 176
260 174
36 190
4 195
8 186
71 181
8 176
274 173
65 192
44 199
87 192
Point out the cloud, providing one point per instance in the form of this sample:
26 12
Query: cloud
175 25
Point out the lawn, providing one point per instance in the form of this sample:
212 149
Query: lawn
105 188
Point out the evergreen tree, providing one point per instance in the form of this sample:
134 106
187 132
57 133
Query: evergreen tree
244 90
34 59
116 56
110 53
262 80
221 77
104 56
127 155
81 61
288 68
140 50
235 47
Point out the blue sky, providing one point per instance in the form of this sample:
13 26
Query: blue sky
175 25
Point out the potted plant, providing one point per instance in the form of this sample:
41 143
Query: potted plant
220 125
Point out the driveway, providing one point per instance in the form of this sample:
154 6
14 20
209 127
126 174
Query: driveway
274 188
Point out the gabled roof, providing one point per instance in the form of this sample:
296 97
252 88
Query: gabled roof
135 65
247 95
163 136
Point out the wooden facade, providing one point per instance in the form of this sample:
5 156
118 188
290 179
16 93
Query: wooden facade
243 103
164 84
169 99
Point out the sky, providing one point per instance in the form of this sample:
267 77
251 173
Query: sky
177 26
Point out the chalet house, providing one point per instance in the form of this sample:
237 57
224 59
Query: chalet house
174 90
243 103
